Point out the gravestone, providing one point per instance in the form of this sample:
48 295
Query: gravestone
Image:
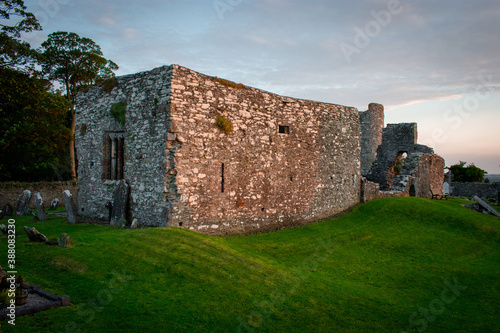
120 204
1 214
65 241
109 206
4 229
484 206
34 235
39 207
70 209
54 203
446 188
23 202
134 224
7 210
52 241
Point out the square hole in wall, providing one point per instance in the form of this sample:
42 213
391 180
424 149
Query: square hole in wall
284 129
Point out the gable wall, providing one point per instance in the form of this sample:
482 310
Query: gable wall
147 95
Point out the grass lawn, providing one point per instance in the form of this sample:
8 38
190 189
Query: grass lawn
391 265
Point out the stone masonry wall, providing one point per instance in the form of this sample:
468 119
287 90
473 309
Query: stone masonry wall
256 178
429 174
371 191
285 162
372 125
145 132
9 192
483 190
397 139
419 174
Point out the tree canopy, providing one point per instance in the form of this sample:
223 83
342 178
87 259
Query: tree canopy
15 53
33 136
76 62
467 173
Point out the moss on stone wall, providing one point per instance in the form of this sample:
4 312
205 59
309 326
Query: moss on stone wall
223 124
109 84
228 83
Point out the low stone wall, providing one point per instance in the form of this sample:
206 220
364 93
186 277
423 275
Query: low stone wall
482 190
371 191
10 191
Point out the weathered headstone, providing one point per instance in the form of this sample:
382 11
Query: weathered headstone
1 214
109 206
484 206
34 235
120 204
52 241
70 209
7 210
4 229
23 203
39 207
65 241
54 203
134 224
446 188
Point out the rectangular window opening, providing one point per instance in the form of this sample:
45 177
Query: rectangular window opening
114 156
222 179
284 129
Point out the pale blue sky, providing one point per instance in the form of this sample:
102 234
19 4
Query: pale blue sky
431 62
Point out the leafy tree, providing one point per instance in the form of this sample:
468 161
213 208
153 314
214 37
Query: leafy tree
76 62
15 53
32 132
467 173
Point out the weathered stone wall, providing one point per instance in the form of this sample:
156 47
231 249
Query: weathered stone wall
419 174
428 174
371 191
482 190
9 192
372 125
271 179
285 162
147 123
397 140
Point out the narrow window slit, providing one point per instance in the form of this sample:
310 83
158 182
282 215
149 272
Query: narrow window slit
222 179
114 156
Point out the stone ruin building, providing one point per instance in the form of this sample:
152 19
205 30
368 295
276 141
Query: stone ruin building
206 154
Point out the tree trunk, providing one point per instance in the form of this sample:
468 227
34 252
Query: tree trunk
72 144
72 156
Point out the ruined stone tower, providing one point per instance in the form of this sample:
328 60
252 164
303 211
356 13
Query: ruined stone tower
372 124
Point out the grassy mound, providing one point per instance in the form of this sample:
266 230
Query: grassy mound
391 265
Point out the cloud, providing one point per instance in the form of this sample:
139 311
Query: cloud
130 33
430 51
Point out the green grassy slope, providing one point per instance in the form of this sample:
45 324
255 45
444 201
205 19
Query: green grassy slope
385 267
